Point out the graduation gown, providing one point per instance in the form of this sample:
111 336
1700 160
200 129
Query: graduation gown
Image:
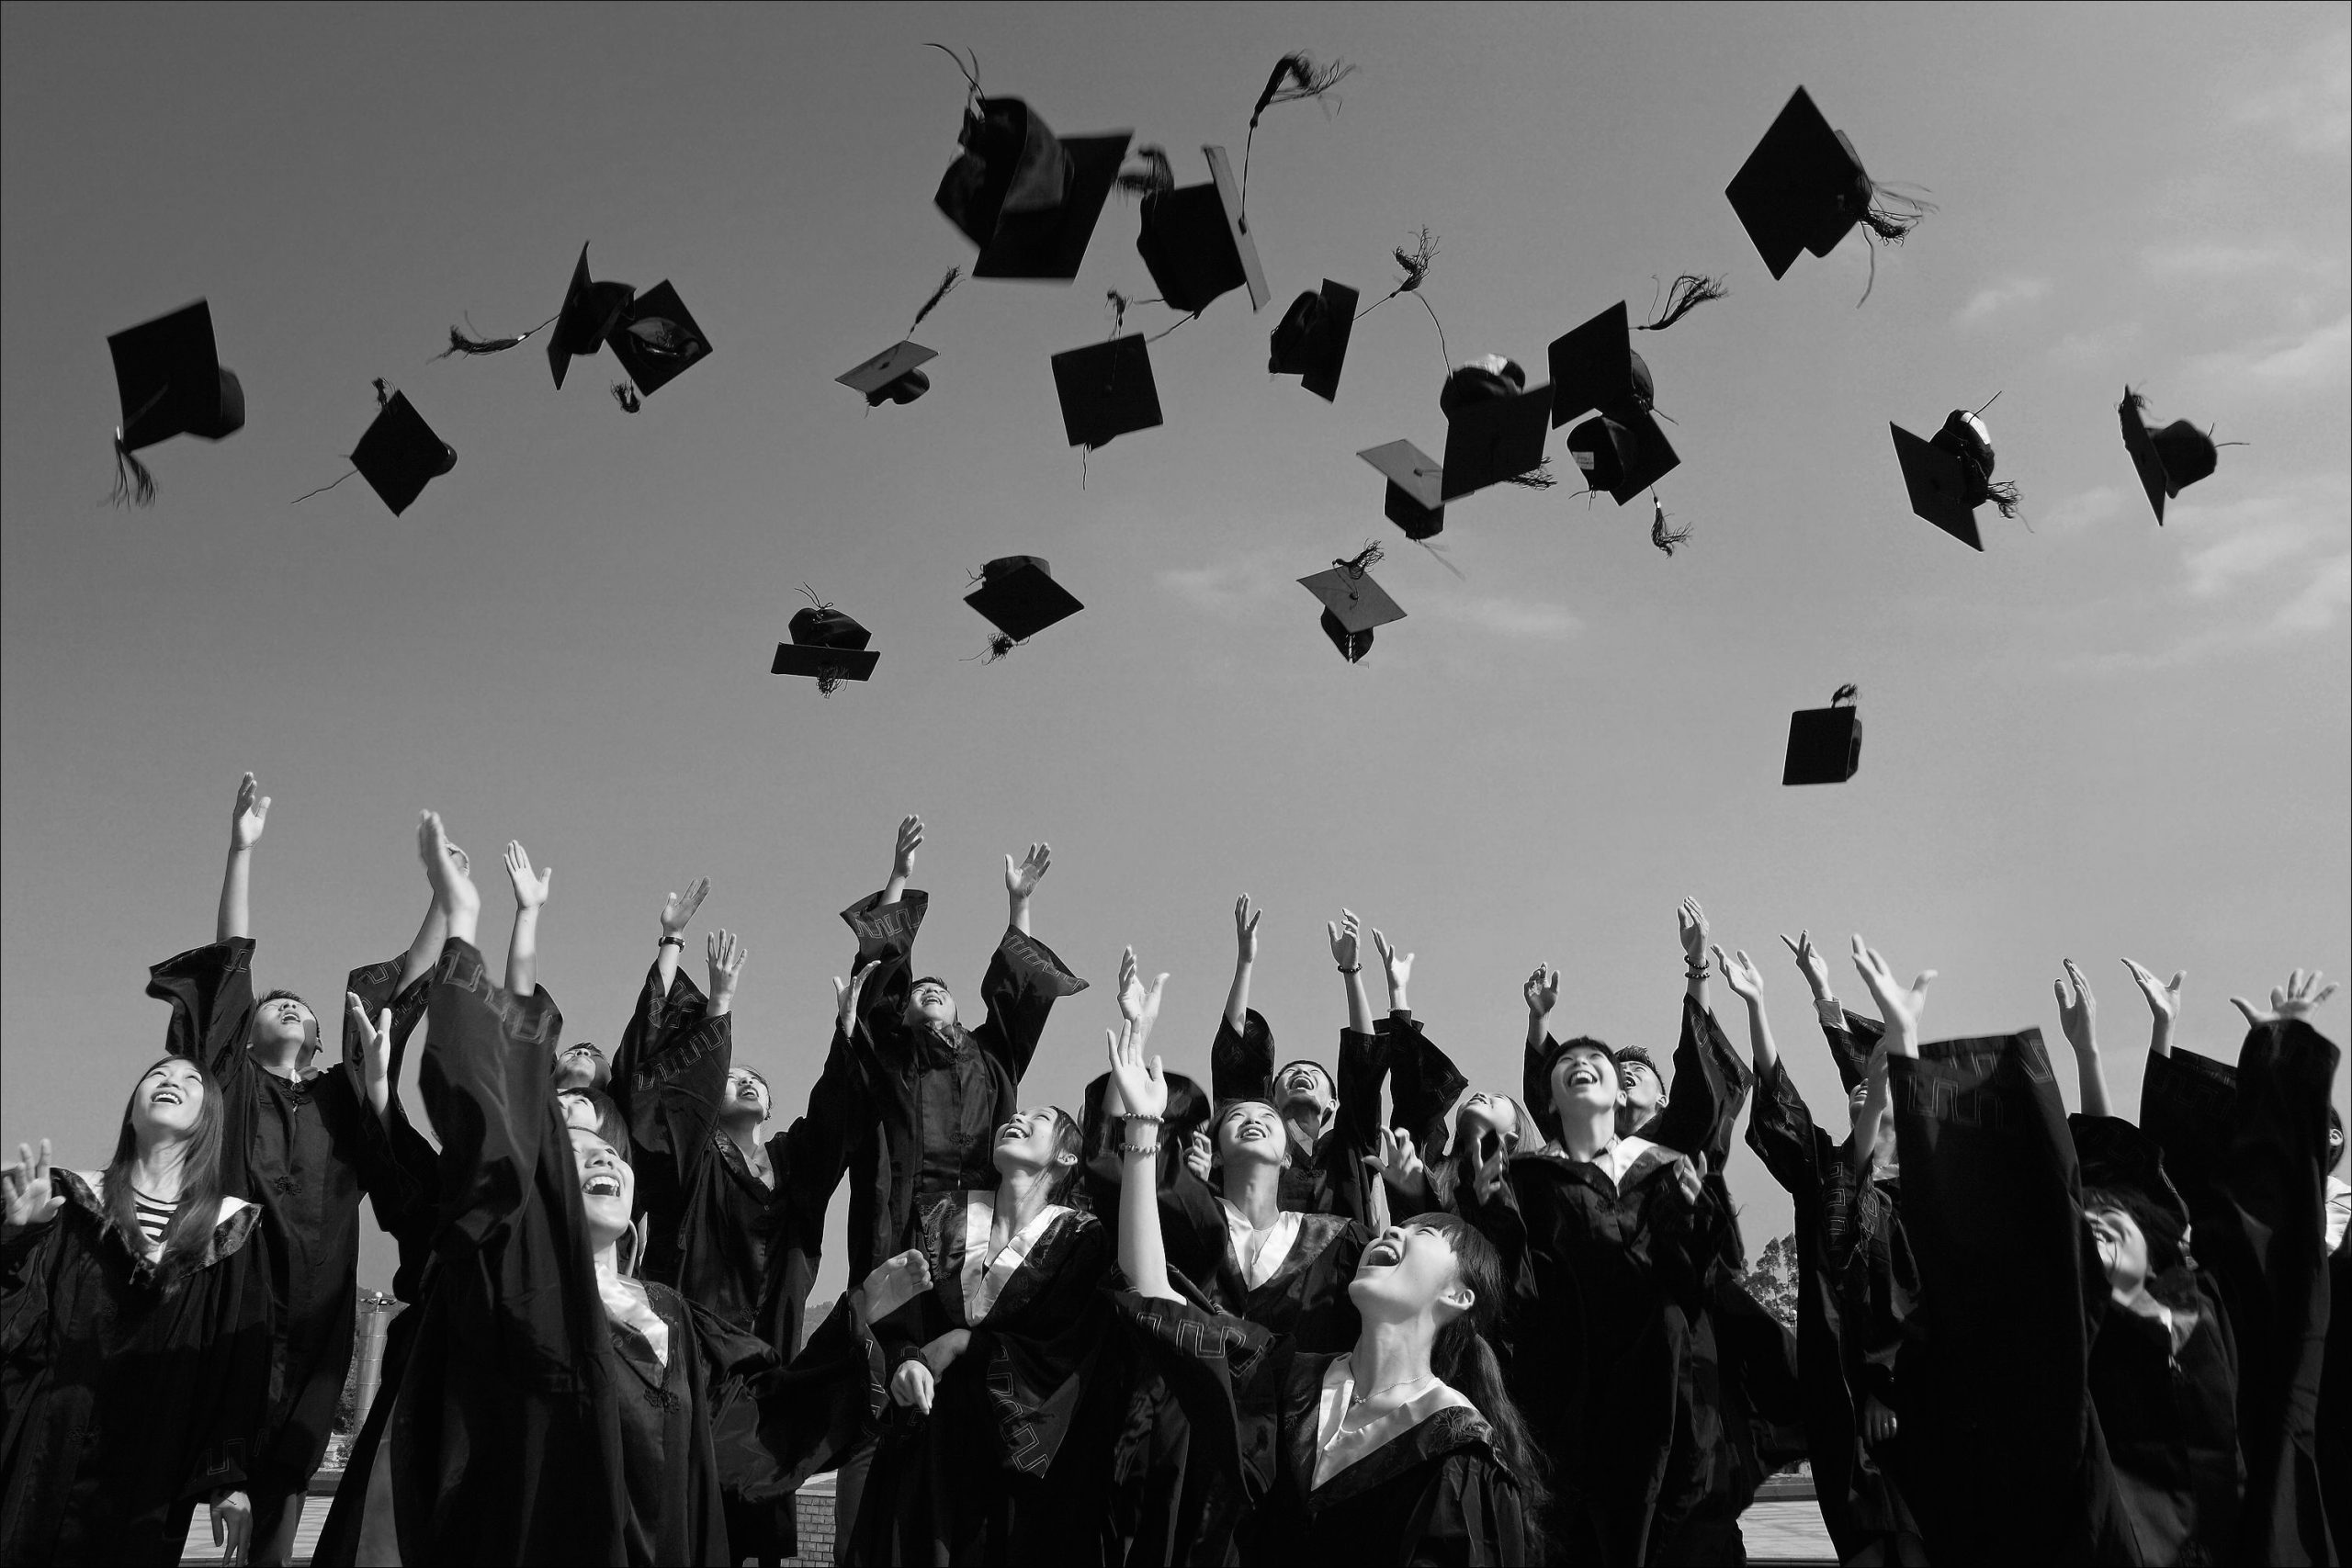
1011 1463
307 1152
937 1101
1598 1344
2247 1148
1436 1492
1857 1284
123 1406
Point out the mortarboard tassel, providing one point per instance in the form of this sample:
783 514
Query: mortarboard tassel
383 400
1000 645
1664 537
625 395
133 485
1891 215
1690 292
1846 693
2004 497
1363 560
1540 476
955 275
971 73
1295 79
1157 175
460 343
1416 264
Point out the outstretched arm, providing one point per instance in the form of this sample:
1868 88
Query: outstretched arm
1143 1092
1021 879
677 913
2164 1004
1876 1106
523 946
902 863
1901 1008
1691 922
1346 955
1398 968
1543 994
724 952
235 916
1245 956
2079 1021
1747 983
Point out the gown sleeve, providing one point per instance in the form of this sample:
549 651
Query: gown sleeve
486 1088
886 936
1535 1086
1192 1227
1241 1063
1024 979
210 993
1711 1084
669 1077
1474 1516
1227 1375
1423 1082
1781 1133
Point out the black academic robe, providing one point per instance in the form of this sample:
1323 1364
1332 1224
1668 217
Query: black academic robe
2335 1423
123 1406
307 1152
1011 1461
2247 1148
1437 1492
2003 1456
1857 1283
937 1101
1598 1338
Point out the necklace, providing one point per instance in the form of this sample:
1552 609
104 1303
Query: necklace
1375 1392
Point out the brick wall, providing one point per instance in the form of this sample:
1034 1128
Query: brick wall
813 1513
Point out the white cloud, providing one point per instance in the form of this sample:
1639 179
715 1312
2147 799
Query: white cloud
2323 601
2093 505
2285 362
2087 348
1989 302
1228 589
2309 100
2209 261
1521 620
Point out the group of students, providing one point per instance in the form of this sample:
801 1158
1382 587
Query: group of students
1305 1313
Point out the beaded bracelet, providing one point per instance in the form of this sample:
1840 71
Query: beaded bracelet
1141 1116
1126 1148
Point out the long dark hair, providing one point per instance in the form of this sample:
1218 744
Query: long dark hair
1070 1138
190 1231
1465 1359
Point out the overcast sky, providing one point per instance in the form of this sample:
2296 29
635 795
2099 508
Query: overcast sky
2097 738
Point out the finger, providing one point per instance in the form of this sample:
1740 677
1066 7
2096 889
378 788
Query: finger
2324 992
2242 1006
2178 976
41 1171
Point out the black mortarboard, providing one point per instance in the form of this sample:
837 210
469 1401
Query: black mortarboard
400 454
1623 455
1195 241
1353 603
1824 744
171 382
1106 390
2168 460
1491 433
1311 342
1019 596
1027 197
591 311
827 645
656 340
1594 366
891 377
1801 188
1938 481
1416 499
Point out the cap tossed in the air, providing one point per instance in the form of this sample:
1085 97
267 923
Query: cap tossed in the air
1594 368
1416 497
826 646
1352 603
1019 596
656 341
1621 455
1196 243
400 454
1027 197
2168 460
1805 187
1824 744
1106 390
169 376
1951 475
590 313
891 376
1311 341
1494 429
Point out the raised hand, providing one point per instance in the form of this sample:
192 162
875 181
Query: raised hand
912 1385
1741 975
1344 937
453 889
1542 991
1143 1088
1899 1007
251 815
1022 876
1131 992
1399 966
895 1282
1809 963
845 996
1399 1163
2298 998
902 862
1691 922
724 952
27 1186
2078 1018
2163 995
371 1064
1245 929
1491 1175
1199 1155
530 887
678 910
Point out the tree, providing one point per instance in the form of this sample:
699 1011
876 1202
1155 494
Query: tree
1773 1281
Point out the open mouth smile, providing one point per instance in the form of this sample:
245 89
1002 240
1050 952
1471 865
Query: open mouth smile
601 1186
1380 1254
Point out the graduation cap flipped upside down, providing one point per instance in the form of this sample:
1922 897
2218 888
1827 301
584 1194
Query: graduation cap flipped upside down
1803 189
651 334
826 646
1951 475
171 381
1027 197
1824 744
1196 243
1311 340
1018 595
1494 427
2168 460
1352 603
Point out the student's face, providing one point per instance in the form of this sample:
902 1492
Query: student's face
1249 1131
1645 1091
578 1067
168 1100
1407 1270
1305 1089
746 1094
1483 1113
579 1112
929 1002
1586 1081
1030 1142
282 1022
607 1187
2122 1250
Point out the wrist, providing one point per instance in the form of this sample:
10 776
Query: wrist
1348 968
671 938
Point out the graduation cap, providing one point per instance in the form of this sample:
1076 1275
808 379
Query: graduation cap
1019 596
1106 390
1416 499
171 380
1027 197
590 312
1824 744
891 377
1311 342
1594 366
1352 603
2168 460
656 340
1494 430
826 644
1951 475
400 454
1623 456
1195 241
1805 187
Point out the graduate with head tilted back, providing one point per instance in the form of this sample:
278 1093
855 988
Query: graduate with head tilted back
307 1146
1402 1449
554 1406
1856 1282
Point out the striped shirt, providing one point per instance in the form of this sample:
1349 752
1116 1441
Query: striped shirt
154 1218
